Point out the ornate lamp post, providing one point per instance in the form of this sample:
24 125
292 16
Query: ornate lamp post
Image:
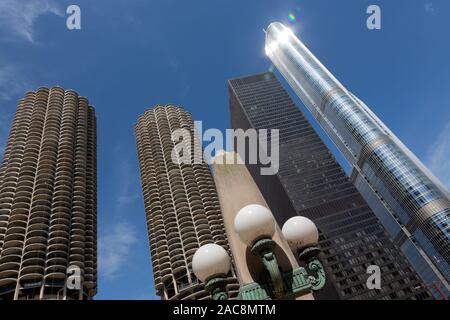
255 226
211 263
302 236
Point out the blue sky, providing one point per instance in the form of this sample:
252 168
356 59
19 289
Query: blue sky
133 54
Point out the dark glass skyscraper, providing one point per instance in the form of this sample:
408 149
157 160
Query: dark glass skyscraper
311 183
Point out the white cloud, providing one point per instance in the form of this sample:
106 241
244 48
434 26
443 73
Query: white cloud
116 242
128 183
438 158
11 82
429 7
114 249
17 17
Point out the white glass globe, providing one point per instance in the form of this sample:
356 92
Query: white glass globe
300 232
254 222
210 260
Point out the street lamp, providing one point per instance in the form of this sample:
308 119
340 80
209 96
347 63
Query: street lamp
302 236
255 226
211 264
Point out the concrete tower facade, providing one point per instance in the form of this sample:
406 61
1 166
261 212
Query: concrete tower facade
410 201
48 199
181 203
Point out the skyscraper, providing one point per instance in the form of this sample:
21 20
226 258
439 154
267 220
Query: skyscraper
181 204
48 198
311 183
412 204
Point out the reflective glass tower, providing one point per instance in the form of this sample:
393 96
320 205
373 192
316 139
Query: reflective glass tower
412 204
